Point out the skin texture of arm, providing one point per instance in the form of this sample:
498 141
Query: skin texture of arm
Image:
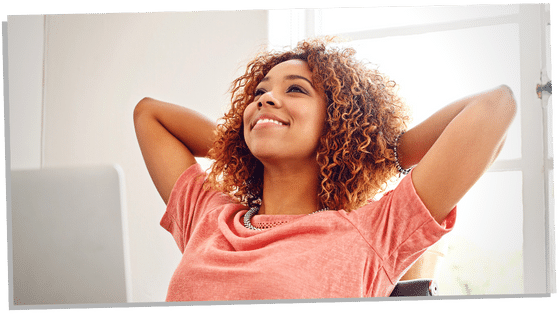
455 146
170 137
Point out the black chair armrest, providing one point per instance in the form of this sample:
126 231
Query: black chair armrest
417 287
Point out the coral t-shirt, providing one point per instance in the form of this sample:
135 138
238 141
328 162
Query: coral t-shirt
329 254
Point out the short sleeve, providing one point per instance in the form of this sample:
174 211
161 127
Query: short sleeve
188 202
400 228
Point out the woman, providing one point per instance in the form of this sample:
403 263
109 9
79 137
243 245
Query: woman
311 137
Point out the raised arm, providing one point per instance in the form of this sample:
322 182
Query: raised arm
170 137
455 146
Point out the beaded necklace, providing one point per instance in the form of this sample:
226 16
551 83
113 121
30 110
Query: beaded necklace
251 213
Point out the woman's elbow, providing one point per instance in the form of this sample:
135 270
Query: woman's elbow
141 107
507 101
500 104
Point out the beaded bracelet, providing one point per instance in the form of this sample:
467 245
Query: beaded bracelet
399 167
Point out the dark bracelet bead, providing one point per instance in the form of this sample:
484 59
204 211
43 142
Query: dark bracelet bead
397 164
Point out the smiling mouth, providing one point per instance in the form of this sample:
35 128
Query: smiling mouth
267 120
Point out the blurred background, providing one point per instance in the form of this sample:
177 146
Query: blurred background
74 81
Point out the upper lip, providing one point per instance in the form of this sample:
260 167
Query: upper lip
267 116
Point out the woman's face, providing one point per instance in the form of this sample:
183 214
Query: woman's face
286 118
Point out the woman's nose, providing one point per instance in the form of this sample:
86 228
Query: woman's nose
268 99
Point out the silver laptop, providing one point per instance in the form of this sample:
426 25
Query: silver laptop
68 236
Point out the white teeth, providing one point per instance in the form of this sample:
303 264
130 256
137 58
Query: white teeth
266 120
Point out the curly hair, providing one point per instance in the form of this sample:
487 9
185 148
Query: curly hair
355 152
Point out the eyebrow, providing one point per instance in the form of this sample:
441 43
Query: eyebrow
291 77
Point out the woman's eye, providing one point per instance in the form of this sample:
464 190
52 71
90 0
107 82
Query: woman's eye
297 89
259 92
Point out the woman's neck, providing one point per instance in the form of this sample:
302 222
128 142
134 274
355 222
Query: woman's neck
290 190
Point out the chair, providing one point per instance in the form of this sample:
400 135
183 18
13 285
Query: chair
419 278
416 287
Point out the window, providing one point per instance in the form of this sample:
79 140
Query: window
440 54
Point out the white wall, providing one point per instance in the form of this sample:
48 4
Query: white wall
97 67
25 65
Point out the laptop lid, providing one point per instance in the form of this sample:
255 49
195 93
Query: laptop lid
68 236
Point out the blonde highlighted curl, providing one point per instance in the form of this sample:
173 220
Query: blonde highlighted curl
355 153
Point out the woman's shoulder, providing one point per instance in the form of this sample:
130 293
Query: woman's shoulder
399 206
403 189
193 172
399 201
192 184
